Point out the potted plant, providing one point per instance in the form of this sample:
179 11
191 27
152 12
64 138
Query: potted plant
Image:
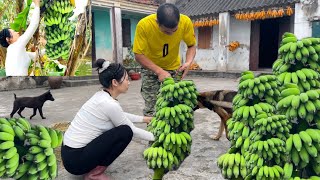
55 74
55 81
130 63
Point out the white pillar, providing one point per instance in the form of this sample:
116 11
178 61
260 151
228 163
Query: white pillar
116 31
224 28
302 27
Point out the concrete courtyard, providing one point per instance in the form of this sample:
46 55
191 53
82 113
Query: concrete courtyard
199 165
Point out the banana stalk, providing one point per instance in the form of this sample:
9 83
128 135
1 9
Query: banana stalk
158 174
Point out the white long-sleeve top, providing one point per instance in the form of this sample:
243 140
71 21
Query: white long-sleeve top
18 59
98 115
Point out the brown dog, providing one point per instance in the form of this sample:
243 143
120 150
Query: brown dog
219 101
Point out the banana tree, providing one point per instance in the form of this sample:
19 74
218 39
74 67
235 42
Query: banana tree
81 43
8 11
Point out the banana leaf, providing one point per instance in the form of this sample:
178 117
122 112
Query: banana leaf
20 22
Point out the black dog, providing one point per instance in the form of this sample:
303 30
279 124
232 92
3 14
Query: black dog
31 102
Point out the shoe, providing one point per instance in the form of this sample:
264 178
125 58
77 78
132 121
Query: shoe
97 174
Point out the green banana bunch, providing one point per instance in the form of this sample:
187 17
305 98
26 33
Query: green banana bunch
43 163
261 86
9 153
297 52
172 124
232 165
245 112
272 125
59 30
238 132
158 157
305 78
299 105
268 149
302 146
268 172
275 122
183 91
39 162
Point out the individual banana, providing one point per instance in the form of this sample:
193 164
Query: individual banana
7 129
54 138
13 162
10 153
4 136
290 91
25 123
19 132
288 170
297 142
6 145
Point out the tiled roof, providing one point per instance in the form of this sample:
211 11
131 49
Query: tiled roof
205 7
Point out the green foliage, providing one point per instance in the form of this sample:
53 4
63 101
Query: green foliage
20 22
130 61
2 72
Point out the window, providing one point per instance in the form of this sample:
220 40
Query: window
316 29
126 33
204 37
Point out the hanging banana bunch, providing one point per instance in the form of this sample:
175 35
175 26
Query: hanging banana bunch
262 14
59 30
233 45
205 22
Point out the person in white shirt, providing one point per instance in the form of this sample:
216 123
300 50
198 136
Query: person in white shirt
17 58
101 130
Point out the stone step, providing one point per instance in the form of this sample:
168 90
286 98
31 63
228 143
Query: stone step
80 82
81 77
229 74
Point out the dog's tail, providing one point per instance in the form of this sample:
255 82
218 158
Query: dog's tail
15 96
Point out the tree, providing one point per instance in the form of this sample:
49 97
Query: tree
8 10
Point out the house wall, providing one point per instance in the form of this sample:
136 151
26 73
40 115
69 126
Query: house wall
238 60
305 13
240 31
103 34
133 23
205 58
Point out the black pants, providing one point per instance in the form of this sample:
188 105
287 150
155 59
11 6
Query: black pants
101 151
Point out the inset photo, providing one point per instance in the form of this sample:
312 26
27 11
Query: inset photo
45 38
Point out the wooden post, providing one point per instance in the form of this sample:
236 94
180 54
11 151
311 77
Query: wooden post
93 47
254 46
116 32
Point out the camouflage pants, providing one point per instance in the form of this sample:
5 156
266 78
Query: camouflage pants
149 90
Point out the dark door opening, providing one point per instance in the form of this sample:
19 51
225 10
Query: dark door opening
269 38
264 41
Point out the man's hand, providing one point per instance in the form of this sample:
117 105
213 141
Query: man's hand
163 74
184 68
147 119
37 3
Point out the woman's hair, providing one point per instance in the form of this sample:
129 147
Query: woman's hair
113 71
4 34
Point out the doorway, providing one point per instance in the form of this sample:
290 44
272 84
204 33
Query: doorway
268 45
265 39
